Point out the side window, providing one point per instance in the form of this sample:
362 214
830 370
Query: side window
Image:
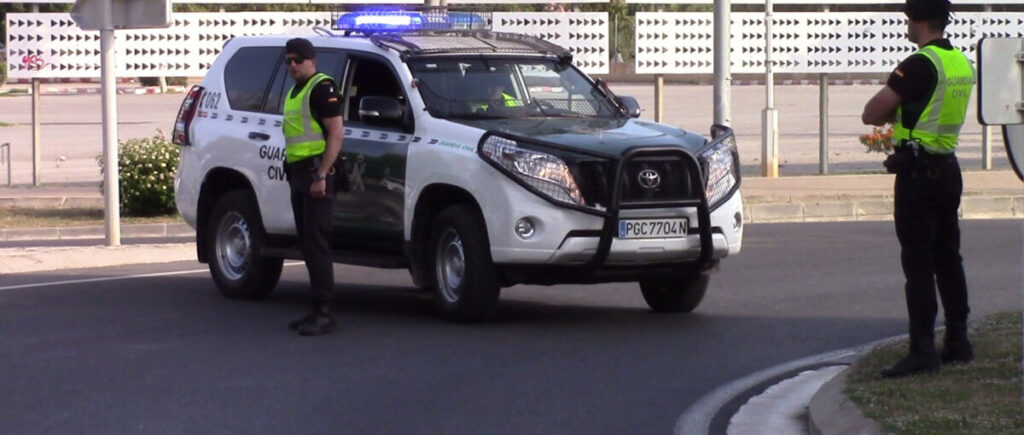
368 77
328 61
247 76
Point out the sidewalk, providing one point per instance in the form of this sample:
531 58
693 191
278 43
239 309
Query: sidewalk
86 87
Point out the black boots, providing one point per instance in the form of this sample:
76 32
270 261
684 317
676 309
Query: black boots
320 321
956 347
922 359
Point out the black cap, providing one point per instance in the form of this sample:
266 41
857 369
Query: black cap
928 10
300 47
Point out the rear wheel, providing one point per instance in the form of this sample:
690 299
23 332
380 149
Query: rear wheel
235 238
676 294
464 279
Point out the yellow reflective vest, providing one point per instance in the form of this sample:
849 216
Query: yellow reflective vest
938 127
303 138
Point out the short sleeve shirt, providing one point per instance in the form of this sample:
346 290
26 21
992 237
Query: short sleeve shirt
914 81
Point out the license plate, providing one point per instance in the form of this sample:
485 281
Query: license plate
652 228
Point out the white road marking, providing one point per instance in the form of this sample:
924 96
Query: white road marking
110 278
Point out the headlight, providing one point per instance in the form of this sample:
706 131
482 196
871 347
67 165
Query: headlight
539 170
721 168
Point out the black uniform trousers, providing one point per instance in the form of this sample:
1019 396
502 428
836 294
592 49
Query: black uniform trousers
925 211
313 225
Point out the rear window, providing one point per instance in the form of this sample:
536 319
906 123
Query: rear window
247 76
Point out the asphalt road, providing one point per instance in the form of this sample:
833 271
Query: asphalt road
167 354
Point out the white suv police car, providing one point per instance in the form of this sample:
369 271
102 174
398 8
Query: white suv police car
477 160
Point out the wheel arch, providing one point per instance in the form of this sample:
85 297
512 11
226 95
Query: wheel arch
431 201
218 181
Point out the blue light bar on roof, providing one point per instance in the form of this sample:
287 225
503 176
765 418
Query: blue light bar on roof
397 21
381 21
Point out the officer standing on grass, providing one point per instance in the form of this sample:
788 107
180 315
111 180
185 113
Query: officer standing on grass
313 133
926 99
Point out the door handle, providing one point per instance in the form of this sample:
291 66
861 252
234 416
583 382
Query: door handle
257 135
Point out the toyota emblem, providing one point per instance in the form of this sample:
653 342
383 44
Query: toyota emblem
649 178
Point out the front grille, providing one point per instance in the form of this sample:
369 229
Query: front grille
656 179
594 178
674 183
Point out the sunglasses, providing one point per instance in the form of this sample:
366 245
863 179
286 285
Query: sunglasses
293 60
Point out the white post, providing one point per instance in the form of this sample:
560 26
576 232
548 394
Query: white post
986 131
770 117
659 98
823 124
37 144
723 76
111 189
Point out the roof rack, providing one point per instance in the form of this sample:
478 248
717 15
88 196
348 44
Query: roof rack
426 43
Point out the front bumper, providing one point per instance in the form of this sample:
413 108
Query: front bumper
587 239
582 234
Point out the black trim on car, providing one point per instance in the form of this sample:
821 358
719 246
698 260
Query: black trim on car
611 213
719 132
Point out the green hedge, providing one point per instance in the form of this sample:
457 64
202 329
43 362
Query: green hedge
170 81
146 173
3 73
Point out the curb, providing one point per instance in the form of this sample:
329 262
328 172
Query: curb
97 232
873 208
832 413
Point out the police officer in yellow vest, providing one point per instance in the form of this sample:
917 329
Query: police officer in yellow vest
926 99
496 94
313 134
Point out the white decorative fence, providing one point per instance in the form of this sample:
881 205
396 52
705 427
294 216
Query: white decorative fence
803 42
51 45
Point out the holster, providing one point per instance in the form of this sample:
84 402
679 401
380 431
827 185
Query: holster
905 159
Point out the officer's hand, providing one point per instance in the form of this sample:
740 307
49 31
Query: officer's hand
318 189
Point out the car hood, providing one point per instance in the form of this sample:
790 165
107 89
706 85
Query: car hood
604 136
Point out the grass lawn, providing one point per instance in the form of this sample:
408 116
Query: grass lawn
983 397
68 217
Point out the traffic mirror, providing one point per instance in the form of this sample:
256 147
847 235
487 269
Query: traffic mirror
1001 92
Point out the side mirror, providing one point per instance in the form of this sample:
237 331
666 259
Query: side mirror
631 104
380 111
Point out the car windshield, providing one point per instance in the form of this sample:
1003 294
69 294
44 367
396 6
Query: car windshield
507 88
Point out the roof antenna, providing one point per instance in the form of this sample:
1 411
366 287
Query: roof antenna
323 31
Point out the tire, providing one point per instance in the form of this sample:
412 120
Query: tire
678 294
463 276
235 237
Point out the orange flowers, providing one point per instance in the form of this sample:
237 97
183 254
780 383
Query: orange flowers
879 140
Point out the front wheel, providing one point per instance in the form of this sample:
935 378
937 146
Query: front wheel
464 278
235 237
677 294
